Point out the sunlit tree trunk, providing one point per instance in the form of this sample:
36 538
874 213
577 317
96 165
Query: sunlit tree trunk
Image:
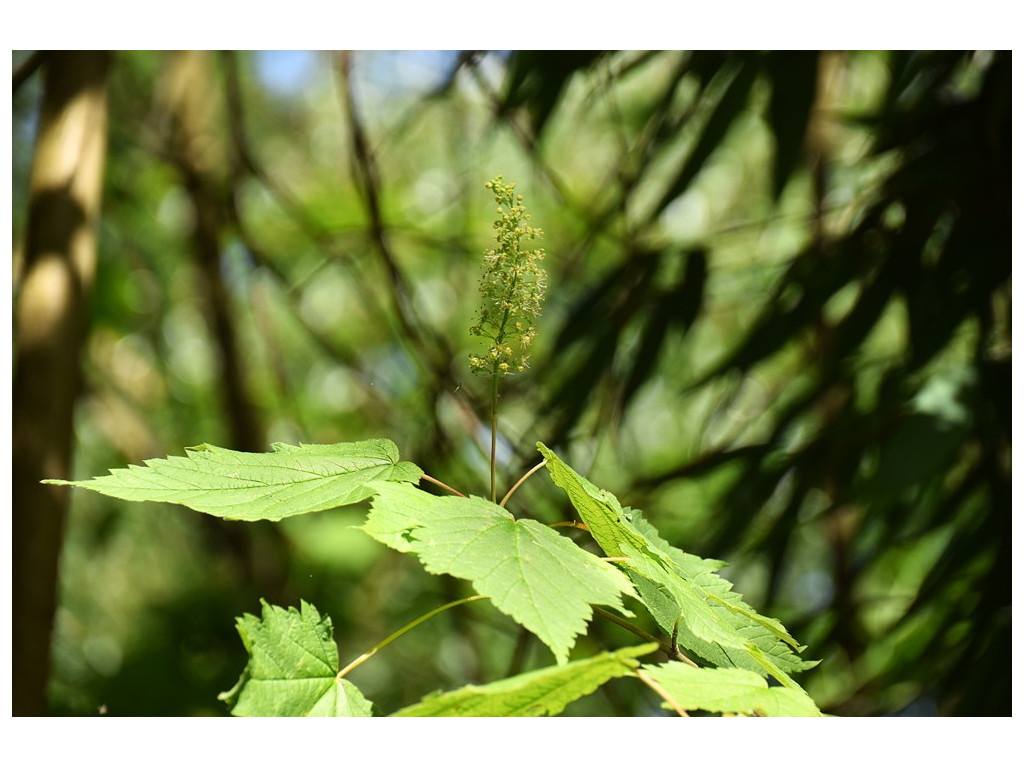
50 320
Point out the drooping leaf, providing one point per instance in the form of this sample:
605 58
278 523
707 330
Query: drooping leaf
599 509
729 690
709 626
541 692
293 667
682 591
701 573
531 573
292 480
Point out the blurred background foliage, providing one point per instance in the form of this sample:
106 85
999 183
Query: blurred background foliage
778 322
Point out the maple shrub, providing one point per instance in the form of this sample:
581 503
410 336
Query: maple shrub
722 655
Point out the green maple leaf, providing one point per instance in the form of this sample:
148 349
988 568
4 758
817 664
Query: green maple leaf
292 480
541 692
682 591
600 511
531 573
729 690
293 668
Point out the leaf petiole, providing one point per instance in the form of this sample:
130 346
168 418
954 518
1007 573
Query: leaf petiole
670 650
568 524
654 686
447 487
411 625
520 481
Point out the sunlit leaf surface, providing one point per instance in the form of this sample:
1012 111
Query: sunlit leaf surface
292 480
538 577
293 667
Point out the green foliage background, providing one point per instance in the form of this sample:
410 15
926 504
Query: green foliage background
778 322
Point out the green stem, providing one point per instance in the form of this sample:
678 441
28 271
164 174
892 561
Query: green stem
670 650
649 681
447 487
569 524
665 647
520 481
499 341
411 625
494 431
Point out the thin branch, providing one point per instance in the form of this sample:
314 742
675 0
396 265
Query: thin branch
367 178
245 160
245 165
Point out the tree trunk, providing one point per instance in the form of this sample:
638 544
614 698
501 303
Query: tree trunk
50 319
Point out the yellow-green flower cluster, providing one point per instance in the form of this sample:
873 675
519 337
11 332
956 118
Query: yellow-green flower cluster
513 287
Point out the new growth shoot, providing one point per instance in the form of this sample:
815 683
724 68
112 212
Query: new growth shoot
513 286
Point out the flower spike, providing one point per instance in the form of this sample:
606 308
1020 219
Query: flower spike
513 287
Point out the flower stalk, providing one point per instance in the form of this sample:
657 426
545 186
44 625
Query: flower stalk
512 288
